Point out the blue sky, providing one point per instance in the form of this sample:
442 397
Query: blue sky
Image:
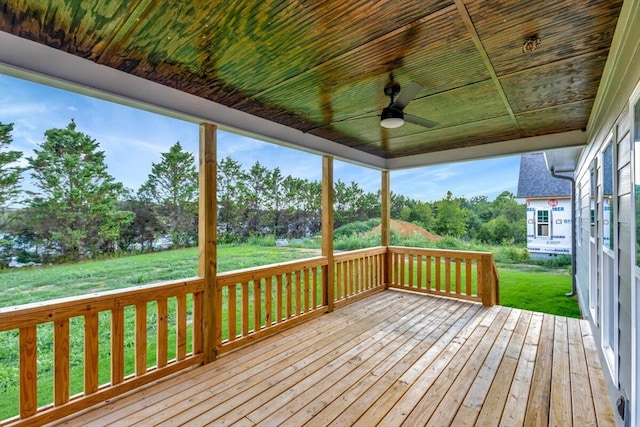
132 139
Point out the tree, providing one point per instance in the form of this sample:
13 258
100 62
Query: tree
173 186
10 172
74 209
450 217
10 177
143 230
232 203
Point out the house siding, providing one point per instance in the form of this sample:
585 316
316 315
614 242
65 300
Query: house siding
625 276
611 121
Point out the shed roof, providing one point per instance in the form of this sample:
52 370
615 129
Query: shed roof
535 180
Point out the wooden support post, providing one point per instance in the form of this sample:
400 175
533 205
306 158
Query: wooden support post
207 241
385 224
327 229
485 278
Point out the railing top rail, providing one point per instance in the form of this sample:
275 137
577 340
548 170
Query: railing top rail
46 311
439 252
246 274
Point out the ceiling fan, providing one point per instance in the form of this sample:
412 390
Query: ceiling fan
393 116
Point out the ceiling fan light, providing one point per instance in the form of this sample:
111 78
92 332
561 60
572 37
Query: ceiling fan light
391 118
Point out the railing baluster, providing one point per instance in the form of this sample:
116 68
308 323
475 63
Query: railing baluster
90 353
298 282
438 278
411 283
117 345
447 274
267 301
289 294
340 280
458 273
306 290
245 309
141 338
345 278
468 264
231 313
429 260
279 298
163 333
315 288
181 317
61 362
28 371
419 271
257 302
197 321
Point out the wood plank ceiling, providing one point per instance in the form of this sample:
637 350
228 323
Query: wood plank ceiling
320 67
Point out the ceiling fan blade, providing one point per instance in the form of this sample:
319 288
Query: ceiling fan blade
419 121
407 94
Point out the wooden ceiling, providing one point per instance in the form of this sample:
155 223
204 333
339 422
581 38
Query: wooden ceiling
320 67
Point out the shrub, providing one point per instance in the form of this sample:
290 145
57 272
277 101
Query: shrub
449 242
356 241
357 227
559 261
261 240
511 255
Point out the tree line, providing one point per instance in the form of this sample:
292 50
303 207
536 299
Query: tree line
77 210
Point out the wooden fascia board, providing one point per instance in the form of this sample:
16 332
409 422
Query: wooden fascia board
534 144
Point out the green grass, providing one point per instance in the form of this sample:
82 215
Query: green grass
22 286
538 291
527 287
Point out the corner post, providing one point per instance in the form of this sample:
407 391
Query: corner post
385 223
327 230
485 277
207 241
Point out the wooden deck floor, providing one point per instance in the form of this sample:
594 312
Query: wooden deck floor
394 358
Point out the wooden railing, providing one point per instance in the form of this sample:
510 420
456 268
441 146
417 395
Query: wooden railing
251 304
458 274
359 273
172 306
257 302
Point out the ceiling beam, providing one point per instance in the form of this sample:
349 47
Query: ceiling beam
466 18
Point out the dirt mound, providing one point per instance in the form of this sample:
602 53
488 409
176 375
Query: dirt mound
406 229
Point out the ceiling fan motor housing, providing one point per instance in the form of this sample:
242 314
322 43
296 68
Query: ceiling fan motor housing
391 117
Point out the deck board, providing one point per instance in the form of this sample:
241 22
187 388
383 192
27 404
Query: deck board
392 358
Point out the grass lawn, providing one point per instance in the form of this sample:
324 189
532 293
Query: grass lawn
538 291
22 286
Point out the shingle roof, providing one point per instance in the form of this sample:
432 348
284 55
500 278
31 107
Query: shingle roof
535 180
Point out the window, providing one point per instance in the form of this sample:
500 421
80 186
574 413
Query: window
578 218
592 198
543 223
607 197
636 151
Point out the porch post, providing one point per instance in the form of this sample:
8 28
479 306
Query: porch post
327 229
207 240
385 222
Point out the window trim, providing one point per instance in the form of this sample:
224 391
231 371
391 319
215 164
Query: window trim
539 222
